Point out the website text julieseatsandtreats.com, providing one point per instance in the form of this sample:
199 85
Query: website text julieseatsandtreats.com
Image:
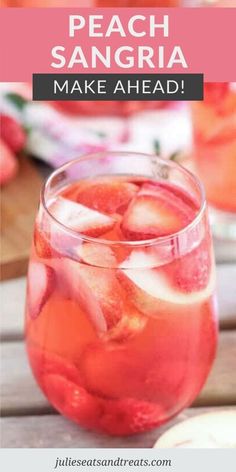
115 462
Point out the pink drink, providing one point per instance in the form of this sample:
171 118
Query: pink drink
121 330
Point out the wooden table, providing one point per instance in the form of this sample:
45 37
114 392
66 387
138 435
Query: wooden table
29 421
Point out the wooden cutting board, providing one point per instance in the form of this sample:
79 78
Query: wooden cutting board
19 201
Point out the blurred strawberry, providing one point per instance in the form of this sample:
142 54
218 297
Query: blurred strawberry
12 133
215 92
8 164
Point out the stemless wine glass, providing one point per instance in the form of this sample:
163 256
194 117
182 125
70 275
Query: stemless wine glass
214 132
121 326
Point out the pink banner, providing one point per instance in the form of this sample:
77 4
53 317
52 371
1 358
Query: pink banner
117 40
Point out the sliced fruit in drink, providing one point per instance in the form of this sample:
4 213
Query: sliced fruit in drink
40 286
106 196
151 291
72 400
155 212
81 218
138 259
97 290
74 285
94 254
191 272
131 323
107 291
128 415
42 245
46 362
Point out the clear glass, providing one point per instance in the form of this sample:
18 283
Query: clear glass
214 131
121 334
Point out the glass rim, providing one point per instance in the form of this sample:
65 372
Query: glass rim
137 243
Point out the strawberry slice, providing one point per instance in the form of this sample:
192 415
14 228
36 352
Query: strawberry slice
156 211
12 133
41 243
40 286
128 416
72 400
81 218
152 291
191 272
50 242
105 196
